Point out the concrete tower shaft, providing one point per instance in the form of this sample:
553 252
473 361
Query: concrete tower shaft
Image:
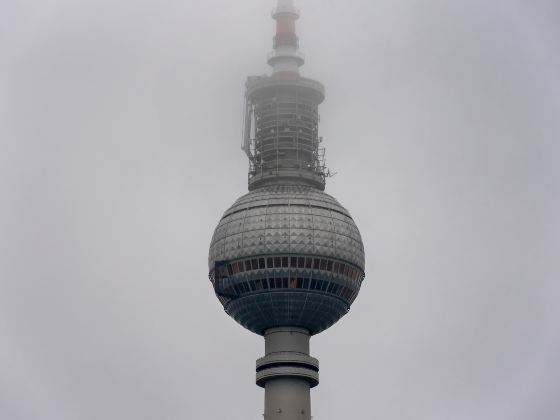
287 373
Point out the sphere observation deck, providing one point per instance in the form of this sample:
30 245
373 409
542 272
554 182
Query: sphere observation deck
286 255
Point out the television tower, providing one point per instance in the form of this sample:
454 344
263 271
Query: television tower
286 260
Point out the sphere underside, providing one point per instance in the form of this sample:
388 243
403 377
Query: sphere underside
313 311
286 255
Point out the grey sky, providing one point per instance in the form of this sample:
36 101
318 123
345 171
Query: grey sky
120 126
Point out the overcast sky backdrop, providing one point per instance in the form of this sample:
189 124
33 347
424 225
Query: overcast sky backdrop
120 126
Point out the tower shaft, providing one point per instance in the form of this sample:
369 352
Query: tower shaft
287 373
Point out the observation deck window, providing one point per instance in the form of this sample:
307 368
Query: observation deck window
341 268
223 280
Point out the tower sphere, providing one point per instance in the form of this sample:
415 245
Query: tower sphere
286 255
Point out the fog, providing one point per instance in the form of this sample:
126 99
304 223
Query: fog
120 132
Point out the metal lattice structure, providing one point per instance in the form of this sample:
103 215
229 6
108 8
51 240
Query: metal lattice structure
281 130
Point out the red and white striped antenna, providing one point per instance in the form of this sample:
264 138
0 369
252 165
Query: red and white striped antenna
285 58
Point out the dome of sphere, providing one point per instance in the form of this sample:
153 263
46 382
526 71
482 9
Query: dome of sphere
286 255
